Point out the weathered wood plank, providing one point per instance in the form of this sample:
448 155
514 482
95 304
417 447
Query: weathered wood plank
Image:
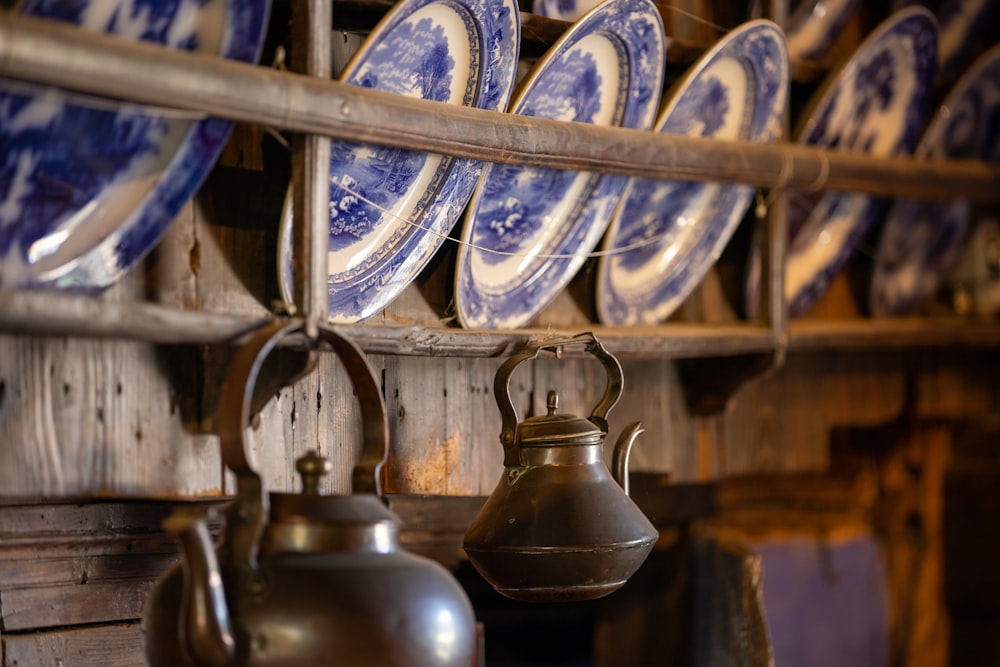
54 606
120 645
86 569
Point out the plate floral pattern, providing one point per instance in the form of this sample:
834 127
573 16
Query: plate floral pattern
390 208
88 187
527 230
676 230
921 241
876 104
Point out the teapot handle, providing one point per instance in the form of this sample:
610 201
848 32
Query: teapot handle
501 388
246 523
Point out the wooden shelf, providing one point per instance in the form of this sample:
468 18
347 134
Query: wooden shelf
903 333
57 54
59 314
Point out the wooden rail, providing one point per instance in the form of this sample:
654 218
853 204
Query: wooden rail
65 56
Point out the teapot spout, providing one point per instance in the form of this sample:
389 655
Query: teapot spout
620 456
206 632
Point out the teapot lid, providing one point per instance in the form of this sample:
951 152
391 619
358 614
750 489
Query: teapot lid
312 507
310 522
558 429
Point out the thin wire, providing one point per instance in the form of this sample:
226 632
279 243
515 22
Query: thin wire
588 255
696 18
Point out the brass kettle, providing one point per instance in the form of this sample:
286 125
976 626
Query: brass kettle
304 579
559 526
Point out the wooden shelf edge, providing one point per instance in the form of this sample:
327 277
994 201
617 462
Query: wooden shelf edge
63 314
901 333
670 340
58 314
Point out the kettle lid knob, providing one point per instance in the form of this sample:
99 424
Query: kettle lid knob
552 402
311 469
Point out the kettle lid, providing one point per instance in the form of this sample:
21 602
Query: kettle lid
554 429
312 507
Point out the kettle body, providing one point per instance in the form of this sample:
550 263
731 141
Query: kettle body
352 606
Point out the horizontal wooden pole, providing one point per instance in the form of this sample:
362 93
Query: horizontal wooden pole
61 55
60 314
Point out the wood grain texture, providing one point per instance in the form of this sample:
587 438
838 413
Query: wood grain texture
117 645
55 606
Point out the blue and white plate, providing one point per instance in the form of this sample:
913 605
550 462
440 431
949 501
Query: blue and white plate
530 228
88 186
921 241
666 235
876 104
391 209
813 27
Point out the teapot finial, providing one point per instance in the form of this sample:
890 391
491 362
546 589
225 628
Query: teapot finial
552 402
311 468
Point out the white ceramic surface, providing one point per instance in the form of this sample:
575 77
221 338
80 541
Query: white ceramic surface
391 209
921 241
88 186
527 230
677 229
875 104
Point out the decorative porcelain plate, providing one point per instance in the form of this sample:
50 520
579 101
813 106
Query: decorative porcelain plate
921 240
88 186
814 25
530 228
666 235
876 104
391 209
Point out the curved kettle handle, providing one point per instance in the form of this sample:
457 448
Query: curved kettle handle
247 522
501 388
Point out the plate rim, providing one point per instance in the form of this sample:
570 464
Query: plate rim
585 25
141 229
926 149
833 25
771 131
434 238
798 303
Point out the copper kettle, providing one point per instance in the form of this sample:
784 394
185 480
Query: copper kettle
304 579
559 526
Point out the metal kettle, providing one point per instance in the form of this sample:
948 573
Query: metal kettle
304 579
558 526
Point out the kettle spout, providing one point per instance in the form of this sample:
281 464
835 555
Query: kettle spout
206 632
619 458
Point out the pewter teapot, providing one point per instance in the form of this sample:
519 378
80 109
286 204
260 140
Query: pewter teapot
559 526
304 579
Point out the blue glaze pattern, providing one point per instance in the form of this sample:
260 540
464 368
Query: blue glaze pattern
532 227
564 10
455 51
921 241
666 235
876 104
63 163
